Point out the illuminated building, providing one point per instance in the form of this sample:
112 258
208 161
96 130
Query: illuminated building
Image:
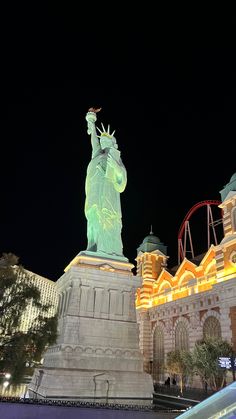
175 309
49 295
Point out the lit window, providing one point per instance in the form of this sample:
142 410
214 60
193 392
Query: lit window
211 327
181 336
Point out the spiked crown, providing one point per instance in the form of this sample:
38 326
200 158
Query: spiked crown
105 133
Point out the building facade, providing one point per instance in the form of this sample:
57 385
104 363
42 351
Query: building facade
174 310
49 295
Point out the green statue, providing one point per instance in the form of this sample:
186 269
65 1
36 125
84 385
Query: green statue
106 179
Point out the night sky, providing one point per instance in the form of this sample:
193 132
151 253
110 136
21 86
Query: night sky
173 109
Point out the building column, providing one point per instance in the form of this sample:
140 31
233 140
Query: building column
145 339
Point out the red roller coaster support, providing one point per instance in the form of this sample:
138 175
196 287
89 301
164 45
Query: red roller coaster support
185 228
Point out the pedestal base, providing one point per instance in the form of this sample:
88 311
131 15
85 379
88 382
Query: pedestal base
97 354
93 386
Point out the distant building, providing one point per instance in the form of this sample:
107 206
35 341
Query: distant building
49 295
175 309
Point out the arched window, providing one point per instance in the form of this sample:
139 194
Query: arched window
164 286
158 355
185 278
211 267
181 336
211 328
210 271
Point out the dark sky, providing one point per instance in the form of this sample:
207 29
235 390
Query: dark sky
173 109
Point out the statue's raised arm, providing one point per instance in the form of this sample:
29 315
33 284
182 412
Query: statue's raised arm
91 118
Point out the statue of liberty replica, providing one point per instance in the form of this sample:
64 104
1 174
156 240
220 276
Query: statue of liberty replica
106 179
97 356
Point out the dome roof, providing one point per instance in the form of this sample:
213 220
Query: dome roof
151 238
151 243
230 187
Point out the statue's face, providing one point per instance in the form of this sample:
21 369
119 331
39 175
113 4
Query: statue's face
106 142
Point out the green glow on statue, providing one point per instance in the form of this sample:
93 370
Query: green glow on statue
106 179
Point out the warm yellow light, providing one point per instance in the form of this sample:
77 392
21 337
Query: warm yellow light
227 274
203 284
77 261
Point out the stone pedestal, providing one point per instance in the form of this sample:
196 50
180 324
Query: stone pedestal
97 355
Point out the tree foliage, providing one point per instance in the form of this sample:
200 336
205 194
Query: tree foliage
205 359
179 362
20 350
